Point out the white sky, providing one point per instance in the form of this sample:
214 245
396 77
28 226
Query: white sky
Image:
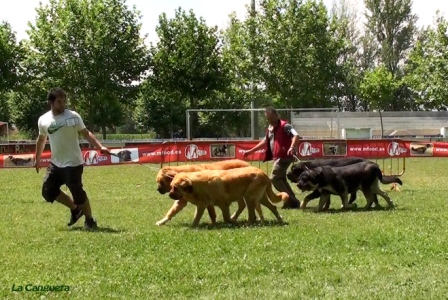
215 12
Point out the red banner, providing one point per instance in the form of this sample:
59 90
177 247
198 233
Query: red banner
188 151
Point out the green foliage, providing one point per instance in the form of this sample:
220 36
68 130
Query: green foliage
427 72
378 88
187 71
299 53
393 25
11 55
28 104
187 59
159 112
93 49
5 107
285 53
356 55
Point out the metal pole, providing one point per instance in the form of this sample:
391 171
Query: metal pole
339 129
331 124
188 124
254 114
381 120
252 121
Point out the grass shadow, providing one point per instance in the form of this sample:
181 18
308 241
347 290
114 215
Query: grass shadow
233 226
99 229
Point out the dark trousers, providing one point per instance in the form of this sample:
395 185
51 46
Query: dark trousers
55 177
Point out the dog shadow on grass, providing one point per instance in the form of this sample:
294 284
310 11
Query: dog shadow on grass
358 209
237 225
99 229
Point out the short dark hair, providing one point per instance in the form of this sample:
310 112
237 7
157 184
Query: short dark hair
56 92
270 109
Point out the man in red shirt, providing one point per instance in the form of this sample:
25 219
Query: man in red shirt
280 144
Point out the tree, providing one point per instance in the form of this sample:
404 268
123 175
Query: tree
378 89
159 112
11 55
94 50
298 52
427 68
28 104
187 65
241 56
393 25
5 110
356 54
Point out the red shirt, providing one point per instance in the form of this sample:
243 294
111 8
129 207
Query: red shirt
282 141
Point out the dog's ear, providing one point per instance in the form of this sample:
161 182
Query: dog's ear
170 174
187 185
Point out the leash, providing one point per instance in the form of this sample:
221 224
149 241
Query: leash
130 160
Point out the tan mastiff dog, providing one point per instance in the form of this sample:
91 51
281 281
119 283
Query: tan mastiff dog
222 187
167 173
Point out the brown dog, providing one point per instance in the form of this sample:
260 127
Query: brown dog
222 187
167 173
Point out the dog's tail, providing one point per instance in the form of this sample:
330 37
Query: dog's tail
385 179
276 198
390 179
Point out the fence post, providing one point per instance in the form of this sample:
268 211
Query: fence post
187 117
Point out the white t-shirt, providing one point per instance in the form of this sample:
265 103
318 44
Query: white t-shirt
62 131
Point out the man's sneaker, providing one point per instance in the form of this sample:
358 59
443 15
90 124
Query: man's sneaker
76 214
90 224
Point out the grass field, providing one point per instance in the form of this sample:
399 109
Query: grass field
380 254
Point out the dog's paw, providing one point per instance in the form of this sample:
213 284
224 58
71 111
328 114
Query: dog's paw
162 222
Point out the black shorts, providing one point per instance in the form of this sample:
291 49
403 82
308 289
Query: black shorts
55 177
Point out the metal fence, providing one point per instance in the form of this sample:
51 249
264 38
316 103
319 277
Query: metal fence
387 124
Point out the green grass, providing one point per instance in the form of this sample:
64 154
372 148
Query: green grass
381 254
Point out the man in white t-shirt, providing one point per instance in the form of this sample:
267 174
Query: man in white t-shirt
62 127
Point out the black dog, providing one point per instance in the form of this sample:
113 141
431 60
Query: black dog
298 168
19 161
421 149
220 151
341 181
124 155
333 149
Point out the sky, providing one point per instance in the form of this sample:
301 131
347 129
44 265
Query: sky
215 12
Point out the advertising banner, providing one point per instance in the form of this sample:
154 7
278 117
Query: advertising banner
205 151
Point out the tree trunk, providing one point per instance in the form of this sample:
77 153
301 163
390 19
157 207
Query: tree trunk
103 130
194 123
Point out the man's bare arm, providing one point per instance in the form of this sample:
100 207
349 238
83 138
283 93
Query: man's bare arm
259 146
90 137
40 146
